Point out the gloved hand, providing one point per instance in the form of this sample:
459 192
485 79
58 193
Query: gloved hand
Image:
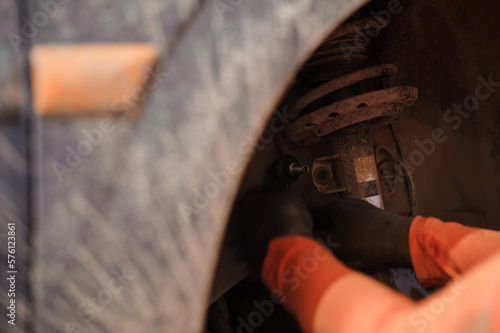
264 216
369 237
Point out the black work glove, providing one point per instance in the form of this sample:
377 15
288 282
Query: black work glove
264 216
369 237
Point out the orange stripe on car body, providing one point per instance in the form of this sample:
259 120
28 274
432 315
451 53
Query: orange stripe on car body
88 78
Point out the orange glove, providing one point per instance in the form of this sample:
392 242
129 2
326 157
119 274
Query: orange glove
326 296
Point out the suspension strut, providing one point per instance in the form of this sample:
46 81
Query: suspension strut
343 99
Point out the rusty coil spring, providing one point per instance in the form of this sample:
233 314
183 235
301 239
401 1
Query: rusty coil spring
334 66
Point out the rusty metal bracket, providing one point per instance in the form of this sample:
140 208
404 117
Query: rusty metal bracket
322 174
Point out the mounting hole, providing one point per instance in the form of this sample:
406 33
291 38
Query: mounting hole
308 125
361 105
322 176
333 114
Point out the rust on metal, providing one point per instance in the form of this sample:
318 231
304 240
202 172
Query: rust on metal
329 59
322 175
342 82
375 104
351 27
334 66
329 67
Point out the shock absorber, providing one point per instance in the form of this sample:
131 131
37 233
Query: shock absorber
342 100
